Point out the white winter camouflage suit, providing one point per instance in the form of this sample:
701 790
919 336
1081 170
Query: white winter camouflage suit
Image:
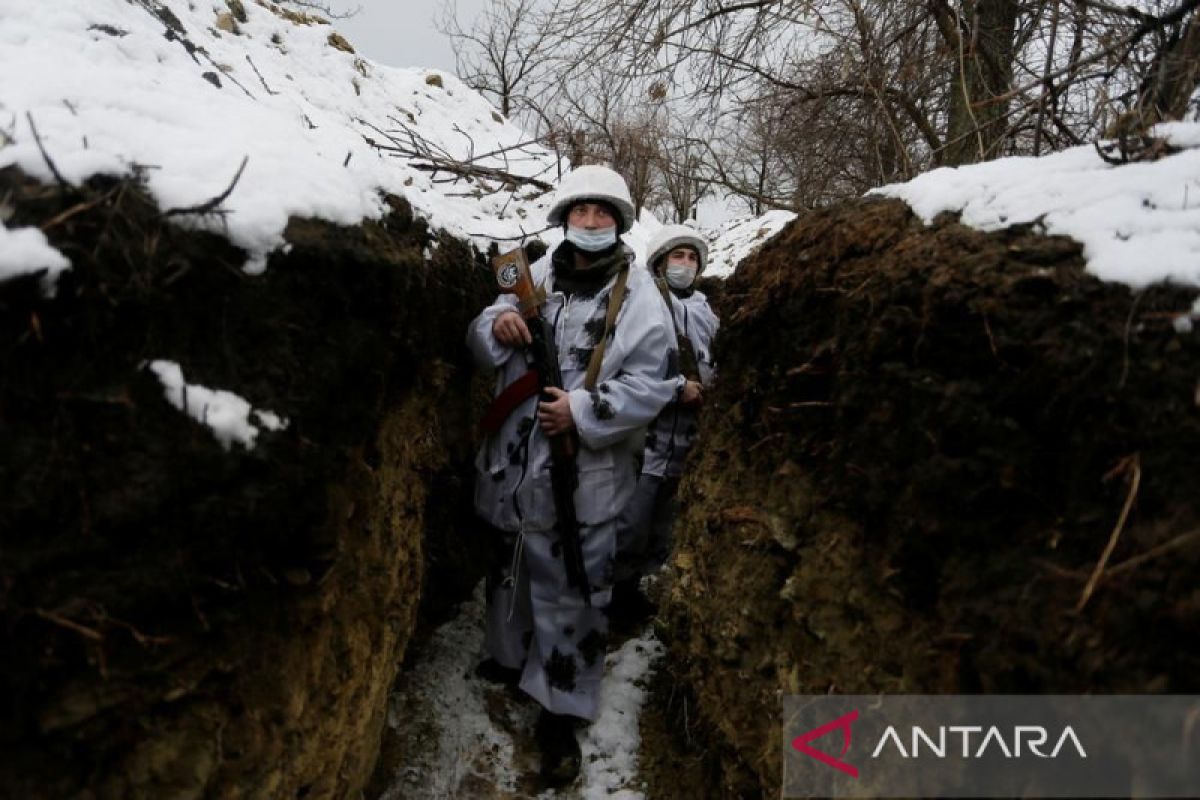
644 527
670 436
536 622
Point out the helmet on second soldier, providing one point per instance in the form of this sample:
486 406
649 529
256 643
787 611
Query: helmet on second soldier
670 237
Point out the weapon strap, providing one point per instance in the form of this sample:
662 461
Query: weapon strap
507 401
615 299
690 366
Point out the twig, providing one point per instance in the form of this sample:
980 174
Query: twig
210 205
141 638
78 208
1171 545
71 625
522 237
62 182
1133 465
475 171
261 79
1125 341
987 327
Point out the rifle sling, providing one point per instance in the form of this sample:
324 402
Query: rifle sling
507 401
615 299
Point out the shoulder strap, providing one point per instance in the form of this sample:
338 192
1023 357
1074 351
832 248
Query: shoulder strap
688 363
615 298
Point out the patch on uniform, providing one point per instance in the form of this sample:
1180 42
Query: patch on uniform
604 388
498 477
601 408
591 647
561 671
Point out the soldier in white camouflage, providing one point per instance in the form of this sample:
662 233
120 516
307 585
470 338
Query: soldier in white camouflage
541 633
677 257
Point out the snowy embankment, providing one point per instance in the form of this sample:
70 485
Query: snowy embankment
464 737
183 93
253 115
1139 223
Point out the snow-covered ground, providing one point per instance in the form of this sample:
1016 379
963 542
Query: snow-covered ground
734 241
183 92
1139 223
464 737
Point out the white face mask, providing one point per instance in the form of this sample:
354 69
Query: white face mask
592 241
680 276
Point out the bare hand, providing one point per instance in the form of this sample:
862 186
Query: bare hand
693 394
510 329
555 416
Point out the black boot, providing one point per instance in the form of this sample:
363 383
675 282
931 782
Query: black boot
561 757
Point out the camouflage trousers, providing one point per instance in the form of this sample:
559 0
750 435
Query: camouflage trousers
542 626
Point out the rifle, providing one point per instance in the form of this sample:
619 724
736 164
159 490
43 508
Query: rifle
513 275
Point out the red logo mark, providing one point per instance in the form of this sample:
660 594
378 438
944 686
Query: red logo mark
843 722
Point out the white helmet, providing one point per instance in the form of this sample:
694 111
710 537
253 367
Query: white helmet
671 236
593 183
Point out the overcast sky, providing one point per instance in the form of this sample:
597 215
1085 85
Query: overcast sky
402 33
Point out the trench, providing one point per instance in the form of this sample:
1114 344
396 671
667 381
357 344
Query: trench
920 441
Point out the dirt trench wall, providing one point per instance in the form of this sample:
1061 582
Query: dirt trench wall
921 441
178 620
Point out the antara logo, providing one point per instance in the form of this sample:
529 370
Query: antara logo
1034 737
842 723
1024 739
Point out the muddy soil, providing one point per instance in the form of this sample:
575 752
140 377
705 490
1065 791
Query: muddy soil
181 621
921 441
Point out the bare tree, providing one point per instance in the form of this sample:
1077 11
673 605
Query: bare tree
795 103
504 55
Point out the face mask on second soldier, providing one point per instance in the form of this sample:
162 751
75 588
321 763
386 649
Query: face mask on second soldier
680 276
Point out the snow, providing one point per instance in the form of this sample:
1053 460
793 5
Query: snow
112 89
225 413
1139 223
639 235
610 749
464 737
738 238
26 250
